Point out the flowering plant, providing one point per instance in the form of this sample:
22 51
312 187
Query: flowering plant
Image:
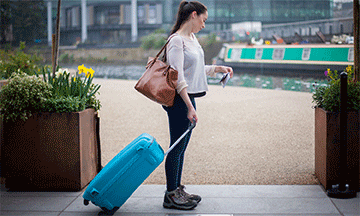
25 94
328 97
66 86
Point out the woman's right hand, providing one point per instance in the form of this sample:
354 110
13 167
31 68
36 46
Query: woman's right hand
192 115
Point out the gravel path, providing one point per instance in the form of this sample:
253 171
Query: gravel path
244 136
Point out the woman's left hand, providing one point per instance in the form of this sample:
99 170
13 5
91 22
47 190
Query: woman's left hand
224 69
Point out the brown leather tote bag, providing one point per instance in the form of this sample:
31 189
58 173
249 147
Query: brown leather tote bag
159 81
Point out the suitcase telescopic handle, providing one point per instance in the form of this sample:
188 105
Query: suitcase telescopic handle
192 125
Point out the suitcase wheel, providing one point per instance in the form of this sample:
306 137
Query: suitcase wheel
110 212
86 202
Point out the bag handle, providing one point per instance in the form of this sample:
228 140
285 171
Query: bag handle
162 49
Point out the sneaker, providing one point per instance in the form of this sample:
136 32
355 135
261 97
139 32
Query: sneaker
175 199
193 197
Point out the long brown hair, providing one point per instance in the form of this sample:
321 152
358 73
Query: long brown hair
184 11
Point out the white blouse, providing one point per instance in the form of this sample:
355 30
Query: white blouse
187 57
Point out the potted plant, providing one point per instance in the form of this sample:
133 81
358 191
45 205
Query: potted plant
327 130
50 139
15 61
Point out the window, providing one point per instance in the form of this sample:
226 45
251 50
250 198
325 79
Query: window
141 14
113 15
68 17
107 15
75 14
152 14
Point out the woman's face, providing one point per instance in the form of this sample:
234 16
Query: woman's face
199 21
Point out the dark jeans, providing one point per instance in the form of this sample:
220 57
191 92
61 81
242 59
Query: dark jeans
178 124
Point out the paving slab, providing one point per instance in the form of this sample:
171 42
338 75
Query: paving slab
226 199
218 200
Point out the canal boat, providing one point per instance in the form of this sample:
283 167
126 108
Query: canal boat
301 60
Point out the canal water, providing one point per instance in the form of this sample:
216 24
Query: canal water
276 82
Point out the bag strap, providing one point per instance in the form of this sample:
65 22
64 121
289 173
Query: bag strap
150 64
163 48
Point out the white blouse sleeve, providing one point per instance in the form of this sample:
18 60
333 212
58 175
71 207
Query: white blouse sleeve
175 58
210 70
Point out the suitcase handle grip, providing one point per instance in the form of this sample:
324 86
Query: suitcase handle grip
193 124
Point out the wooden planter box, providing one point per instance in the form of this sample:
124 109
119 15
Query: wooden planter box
2 83
51 151
327 148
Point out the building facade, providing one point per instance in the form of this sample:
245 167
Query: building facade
110 21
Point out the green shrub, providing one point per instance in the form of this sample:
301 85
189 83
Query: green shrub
64 104
328 97
65 58
209 40
154 40
22 96
17 62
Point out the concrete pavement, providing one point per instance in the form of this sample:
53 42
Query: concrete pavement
218 200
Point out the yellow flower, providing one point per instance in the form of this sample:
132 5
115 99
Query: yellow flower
348 68
90 72
82 69
86 72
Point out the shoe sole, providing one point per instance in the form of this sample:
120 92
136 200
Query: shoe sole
197 201
174 206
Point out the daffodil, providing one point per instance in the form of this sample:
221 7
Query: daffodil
58 74
66 71
348 68
82 69
90 72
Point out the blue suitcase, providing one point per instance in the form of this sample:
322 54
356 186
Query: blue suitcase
116 182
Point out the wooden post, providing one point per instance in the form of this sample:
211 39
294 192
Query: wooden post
53 47
356 40
57 38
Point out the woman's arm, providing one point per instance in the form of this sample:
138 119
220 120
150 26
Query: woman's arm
224 69
175 58
191 110
211 70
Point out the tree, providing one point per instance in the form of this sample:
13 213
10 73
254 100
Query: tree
26 18
5 17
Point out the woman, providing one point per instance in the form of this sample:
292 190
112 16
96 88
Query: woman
185 54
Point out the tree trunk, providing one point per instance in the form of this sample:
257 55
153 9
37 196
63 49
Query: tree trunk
356 40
